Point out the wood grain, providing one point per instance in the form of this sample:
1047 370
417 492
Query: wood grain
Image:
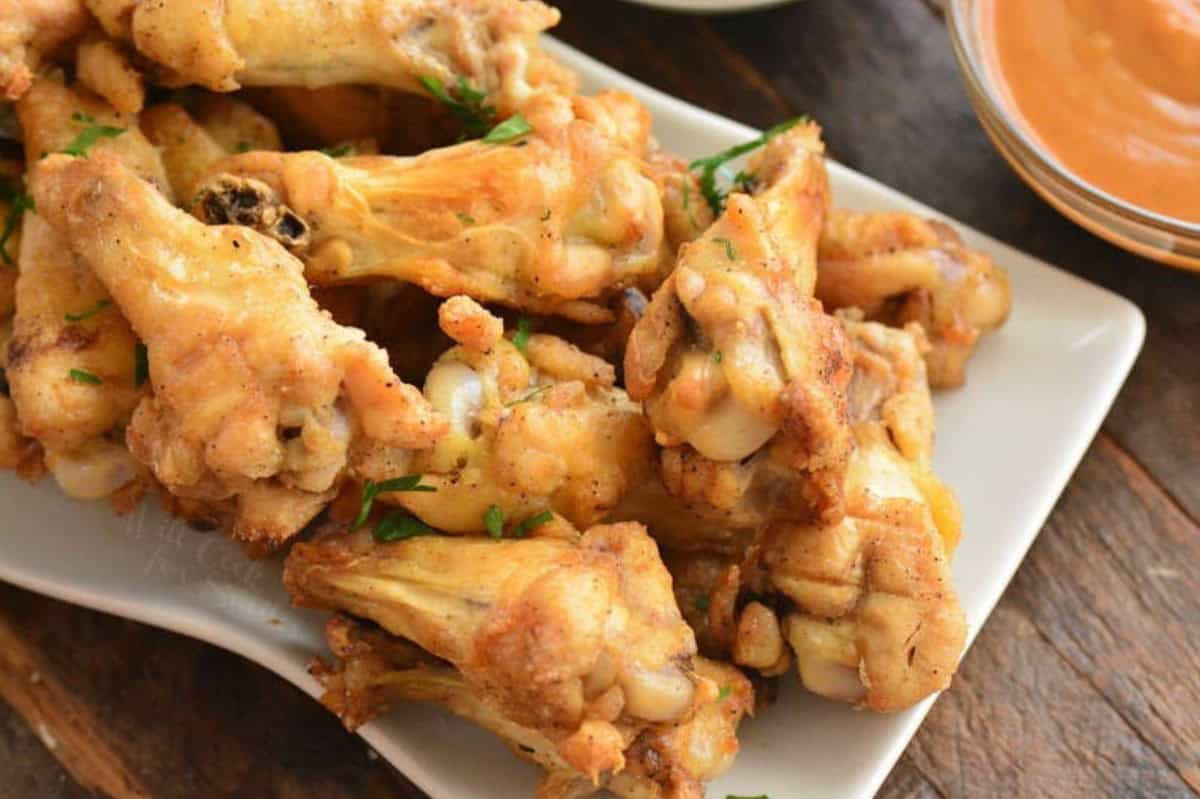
28 768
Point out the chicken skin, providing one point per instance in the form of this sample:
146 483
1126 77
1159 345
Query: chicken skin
72 360
742 374
374 671
898 268
579 639
531 431
875 620
259 399
552 226
226 44
30 32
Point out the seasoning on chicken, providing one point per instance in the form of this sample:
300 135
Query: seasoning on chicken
30 32
260 401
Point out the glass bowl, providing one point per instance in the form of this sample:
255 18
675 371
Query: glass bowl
1153 235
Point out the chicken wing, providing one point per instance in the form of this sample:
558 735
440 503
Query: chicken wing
31 31
374 671
899 268
742 374
532 429
72 360
578 639
225 44
876 621
105 68
259 399
551 225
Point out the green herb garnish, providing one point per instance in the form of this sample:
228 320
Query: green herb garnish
141 365
243 147
468 106
80 376
371 489
493 521
729 250
514 127
529 396
89 313
521 337
709 167
466 219
19 203
89 135
687 203
339 151
398 525
724 692
717 356
532 523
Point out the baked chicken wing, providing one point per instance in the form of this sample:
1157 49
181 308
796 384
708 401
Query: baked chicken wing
578 639
536 429
30 31
226 44
552 224
374 671
742 374
259 399
874 618
899 268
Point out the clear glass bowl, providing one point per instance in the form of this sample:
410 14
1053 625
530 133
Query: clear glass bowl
1144 232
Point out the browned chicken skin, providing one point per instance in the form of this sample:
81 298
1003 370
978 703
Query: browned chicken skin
742 374
577 638
551 224
258 398
30 31
899 268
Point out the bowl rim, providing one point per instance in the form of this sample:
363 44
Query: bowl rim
994 110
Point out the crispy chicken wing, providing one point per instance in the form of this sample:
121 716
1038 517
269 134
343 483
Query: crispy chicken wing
578 639
742 374
551 225
259 399
30 31
225 44
374 671
104 67
876 621
899 268
72 360
543 429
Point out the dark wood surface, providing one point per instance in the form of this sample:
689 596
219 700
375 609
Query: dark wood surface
1086 679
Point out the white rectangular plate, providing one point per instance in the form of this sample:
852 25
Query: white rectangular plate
1007 442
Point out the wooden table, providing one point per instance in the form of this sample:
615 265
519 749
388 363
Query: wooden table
1086 679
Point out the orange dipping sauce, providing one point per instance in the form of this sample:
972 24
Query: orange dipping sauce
1110 88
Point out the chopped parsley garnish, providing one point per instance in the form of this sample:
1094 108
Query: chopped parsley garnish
468 106
493 521
687 203
532 523
729 250
514 127
339 151
398 525
724 692
531 395
80 376
243 147
521 337
466 219
89 135
19 203
89 313
141 365
717 356
371 489
711 166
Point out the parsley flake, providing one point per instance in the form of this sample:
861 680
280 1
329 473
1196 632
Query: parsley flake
532 523
711 166
466 219
339 151
19 203
89 313
80 376
398 525
514 127
531 395
371 489
729 250
717 356
493 521
724 692
687 203
91 134
521 337
468 105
